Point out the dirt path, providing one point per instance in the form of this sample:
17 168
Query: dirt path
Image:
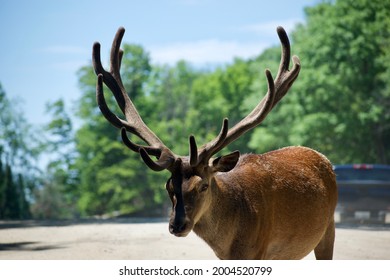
150 240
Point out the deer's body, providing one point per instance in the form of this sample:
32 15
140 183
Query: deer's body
277 205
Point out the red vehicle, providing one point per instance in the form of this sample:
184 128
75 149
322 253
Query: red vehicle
364 192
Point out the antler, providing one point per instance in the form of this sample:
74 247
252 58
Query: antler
276 91
133 122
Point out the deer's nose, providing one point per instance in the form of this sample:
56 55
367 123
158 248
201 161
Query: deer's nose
177 228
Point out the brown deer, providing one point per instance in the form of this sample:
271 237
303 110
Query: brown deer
277 205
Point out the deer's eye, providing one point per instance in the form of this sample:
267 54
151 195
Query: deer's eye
203 187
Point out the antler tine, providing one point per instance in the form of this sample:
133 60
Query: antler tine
107 77
136 148
285 78
116 54
112 79
193 151
286 51
165 158
110 116
164 162
211 148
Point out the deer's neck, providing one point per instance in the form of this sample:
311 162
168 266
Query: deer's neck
221 225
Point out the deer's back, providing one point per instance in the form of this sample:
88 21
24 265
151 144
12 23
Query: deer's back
288 170
291 195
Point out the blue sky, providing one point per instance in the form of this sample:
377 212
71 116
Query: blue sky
44 43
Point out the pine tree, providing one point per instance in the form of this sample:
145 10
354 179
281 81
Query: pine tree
11 203
2 191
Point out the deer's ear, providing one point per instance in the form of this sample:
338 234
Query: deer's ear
225 163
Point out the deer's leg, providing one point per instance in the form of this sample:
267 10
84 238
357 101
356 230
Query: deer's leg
324 249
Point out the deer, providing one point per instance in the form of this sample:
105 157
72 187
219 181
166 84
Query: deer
275 205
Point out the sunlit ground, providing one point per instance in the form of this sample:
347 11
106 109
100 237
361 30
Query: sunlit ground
150 239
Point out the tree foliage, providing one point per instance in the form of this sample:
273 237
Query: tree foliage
57 194
344 85
16 156
339 105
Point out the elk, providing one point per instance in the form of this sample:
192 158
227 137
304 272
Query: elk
276 205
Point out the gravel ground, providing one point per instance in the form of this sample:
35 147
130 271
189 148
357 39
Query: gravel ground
148 239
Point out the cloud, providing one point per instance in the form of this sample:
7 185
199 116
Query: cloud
63 49
69 66
191 2
65 57
269 28
216 51
211 51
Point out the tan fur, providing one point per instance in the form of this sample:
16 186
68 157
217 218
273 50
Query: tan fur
278 205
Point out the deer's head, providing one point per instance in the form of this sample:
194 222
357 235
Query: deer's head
191 176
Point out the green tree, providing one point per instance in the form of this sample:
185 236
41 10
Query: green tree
220 95
57 195
17 157
11 199
168 90
339 104
24 205
208 107
16 136
2 186
344 91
